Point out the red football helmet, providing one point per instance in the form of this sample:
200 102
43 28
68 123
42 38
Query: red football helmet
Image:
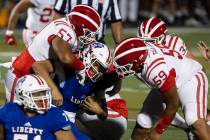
129 56
152 30
86 21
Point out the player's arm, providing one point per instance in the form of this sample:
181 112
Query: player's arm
170 97
116 22
20 8
171 100
64 135
117 30
1 132
63 50
44 68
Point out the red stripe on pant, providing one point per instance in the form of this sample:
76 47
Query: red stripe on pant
204 94
198 96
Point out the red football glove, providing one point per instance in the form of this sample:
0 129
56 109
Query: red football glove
10 38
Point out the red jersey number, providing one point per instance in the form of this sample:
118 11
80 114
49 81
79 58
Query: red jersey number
47 15
159 78
63 33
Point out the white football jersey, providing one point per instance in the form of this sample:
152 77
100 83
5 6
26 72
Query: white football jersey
40 46
159 64
40 15
175 43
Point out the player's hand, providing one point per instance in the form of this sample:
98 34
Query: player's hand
10 38
154 135
205 51
57 97
90 104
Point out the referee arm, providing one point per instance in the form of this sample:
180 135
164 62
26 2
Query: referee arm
116 22
117 30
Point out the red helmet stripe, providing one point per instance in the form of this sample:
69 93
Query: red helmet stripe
130 51
155 28
84 5
124 41
38 80
85 17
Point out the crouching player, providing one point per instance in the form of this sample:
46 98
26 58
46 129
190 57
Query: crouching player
180 81
31 116
97 60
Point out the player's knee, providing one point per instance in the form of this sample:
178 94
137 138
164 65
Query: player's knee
190 118
144 120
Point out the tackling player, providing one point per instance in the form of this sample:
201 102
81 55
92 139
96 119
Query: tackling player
60 36
97 59
177 78
39 13
154 30
31 116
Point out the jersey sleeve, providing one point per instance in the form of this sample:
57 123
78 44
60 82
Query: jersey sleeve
114 12
60 121
160 76
60 7
182 49
64 31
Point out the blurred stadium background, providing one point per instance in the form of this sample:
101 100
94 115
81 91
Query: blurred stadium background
188 19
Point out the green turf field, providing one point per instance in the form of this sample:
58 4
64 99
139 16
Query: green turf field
133 91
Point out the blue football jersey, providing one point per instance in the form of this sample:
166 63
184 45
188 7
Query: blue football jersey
18 126
74 93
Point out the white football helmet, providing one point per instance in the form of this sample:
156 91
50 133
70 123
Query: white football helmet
97 58
26 91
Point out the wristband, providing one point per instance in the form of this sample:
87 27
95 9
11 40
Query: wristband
164 122
77 64
9 32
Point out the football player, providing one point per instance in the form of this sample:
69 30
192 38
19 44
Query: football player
61 36
155 30
39 13
112 110
177 78
31 116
